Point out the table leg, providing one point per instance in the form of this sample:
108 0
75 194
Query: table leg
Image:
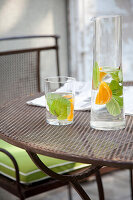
73 179
69 192
131 183
100 185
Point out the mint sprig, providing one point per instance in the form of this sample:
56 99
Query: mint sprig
115 104
119 100
58 106
50 97
116 89
113 107
120 76
96 75
117 76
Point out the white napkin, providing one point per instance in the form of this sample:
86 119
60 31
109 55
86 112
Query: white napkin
83 98
128 100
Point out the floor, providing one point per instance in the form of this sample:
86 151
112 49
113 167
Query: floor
116 187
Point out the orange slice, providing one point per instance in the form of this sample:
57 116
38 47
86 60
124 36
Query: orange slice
104 94
70 116
102 74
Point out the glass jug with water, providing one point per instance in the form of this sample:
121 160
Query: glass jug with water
107 109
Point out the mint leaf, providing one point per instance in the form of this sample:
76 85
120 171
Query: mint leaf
116 89
58 106
61 107
113 107
115 75
96 75
119 100
50 97
120 76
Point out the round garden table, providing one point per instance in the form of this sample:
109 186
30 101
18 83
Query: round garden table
24 126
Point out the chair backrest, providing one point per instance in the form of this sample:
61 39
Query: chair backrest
20 69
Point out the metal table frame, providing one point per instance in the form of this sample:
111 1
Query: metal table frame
24 126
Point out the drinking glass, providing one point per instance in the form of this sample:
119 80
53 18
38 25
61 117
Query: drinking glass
107 109
59 94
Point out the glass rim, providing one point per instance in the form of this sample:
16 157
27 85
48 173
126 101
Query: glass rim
108 16
55 77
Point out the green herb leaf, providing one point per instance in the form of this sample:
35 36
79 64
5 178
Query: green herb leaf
58 106
119 100
50 97
115 75
116 89
96 75
120 76
113 107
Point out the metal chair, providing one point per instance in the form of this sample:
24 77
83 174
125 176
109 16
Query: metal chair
19 76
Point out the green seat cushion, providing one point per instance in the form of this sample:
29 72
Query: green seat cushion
29 172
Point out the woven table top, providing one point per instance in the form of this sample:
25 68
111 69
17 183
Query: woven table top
25 127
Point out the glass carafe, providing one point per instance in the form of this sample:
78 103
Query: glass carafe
107 109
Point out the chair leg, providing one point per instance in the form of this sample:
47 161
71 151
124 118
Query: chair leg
131 183
69 191
99 185
22 198
16 171
80 190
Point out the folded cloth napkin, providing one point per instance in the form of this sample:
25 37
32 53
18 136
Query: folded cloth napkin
83 98
128 100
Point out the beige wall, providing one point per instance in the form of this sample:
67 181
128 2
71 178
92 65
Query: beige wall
31 17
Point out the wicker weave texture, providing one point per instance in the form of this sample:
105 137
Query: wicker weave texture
18 75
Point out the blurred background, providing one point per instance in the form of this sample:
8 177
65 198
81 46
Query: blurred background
70 20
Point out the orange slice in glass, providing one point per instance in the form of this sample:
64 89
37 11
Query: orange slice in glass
70 116
104 94
102 74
